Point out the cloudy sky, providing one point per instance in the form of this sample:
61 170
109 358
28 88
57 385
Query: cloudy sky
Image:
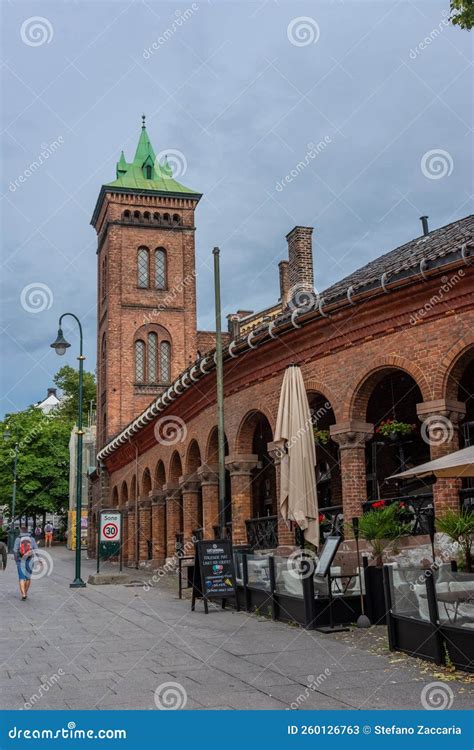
238 92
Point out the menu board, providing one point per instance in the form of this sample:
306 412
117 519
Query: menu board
328 553
214 576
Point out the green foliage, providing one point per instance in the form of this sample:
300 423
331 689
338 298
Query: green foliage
43 461
67 380
321 436
459 526
462 13
382 528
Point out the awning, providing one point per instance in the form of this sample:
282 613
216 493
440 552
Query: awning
453 466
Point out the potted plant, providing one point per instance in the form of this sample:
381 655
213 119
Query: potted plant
321 437
381 527
459 526
394 429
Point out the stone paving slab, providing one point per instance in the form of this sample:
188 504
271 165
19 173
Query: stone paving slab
113 646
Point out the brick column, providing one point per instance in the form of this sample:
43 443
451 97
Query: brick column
158 526
351 437
210 498
286 536
440 429
240 469
124 510
173 516
190 492
132 532
144 526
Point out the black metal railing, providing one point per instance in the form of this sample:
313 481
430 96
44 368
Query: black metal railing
331 521
415 510
198 534
466 498
262 533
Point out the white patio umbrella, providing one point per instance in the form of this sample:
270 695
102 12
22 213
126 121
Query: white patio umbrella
455 465
294 430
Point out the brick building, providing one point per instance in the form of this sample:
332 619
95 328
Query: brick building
393 340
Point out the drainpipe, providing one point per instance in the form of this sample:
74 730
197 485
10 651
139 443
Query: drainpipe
220 392
137 525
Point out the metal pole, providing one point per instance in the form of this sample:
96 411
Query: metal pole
220 392
11 531
78 582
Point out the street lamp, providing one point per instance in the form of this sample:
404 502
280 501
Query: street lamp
11 530
60 345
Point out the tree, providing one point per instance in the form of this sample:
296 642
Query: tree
43 461
67 380
462 13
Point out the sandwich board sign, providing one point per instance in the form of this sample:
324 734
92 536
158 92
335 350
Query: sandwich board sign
214 576
109 536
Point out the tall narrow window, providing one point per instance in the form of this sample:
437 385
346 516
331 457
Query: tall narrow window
160 268
104 278
143 263
148 171
165 361
151 357
139 361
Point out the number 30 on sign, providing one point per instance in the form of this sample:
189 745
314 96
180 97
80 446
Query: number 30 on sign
110 527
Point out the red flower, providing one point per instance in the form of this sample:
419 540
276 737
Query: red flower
322 518
378 504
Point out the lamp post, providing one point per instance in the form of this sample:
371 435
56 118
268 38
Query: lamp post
220 393
60 345
11 530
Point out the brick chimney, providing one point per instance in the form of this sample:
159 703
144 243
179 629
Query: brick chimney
283 268
300 258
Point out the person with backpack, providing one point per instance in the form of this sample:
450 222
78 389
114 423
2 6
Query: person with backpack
48 534
24 554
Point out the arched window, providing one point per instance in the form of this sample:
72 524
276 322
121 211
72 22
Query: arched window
165 362
143 265
139 361
176 218
160 268
151 357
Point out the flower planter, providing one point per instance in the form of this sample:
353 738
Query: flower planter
375 596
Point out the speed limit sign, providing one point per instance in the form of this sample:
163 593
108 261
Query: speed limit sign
110 526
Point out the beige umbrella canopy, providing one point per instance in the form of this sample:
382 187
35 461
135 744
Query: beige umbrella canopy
455 465
294 429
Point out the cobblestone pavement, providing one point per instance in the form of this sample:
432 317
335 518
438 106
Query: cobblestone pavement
117 647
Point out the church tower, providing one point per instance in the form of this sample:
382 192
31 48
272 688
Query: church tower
146 306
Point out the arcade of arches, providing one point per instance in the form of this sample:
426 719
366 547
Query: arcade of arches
170 495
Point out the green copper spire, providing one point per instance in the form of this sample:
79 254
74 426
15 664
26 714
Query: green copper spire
145 172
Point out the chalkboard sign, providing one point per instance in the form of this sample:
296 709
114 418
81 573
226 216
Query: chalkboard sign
214 576
328 554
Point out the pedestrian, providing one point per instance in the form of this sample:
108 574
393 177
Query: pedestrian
38 532
24 554
48 534
3 555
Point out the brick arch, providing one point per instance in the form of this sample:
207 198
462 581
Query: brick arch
312 385
175 470
246 429
160 475
451 367
212 448
145 486
193 457
123 493
357 398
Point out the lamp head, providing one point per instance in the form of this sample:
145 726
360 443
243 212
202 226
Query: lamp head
60 344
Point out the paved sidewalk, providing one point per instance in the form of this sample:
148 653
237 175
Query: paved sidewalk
117 647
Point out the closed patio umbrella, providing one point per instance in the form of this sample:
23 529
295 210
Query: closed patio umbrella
294 429
455 465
